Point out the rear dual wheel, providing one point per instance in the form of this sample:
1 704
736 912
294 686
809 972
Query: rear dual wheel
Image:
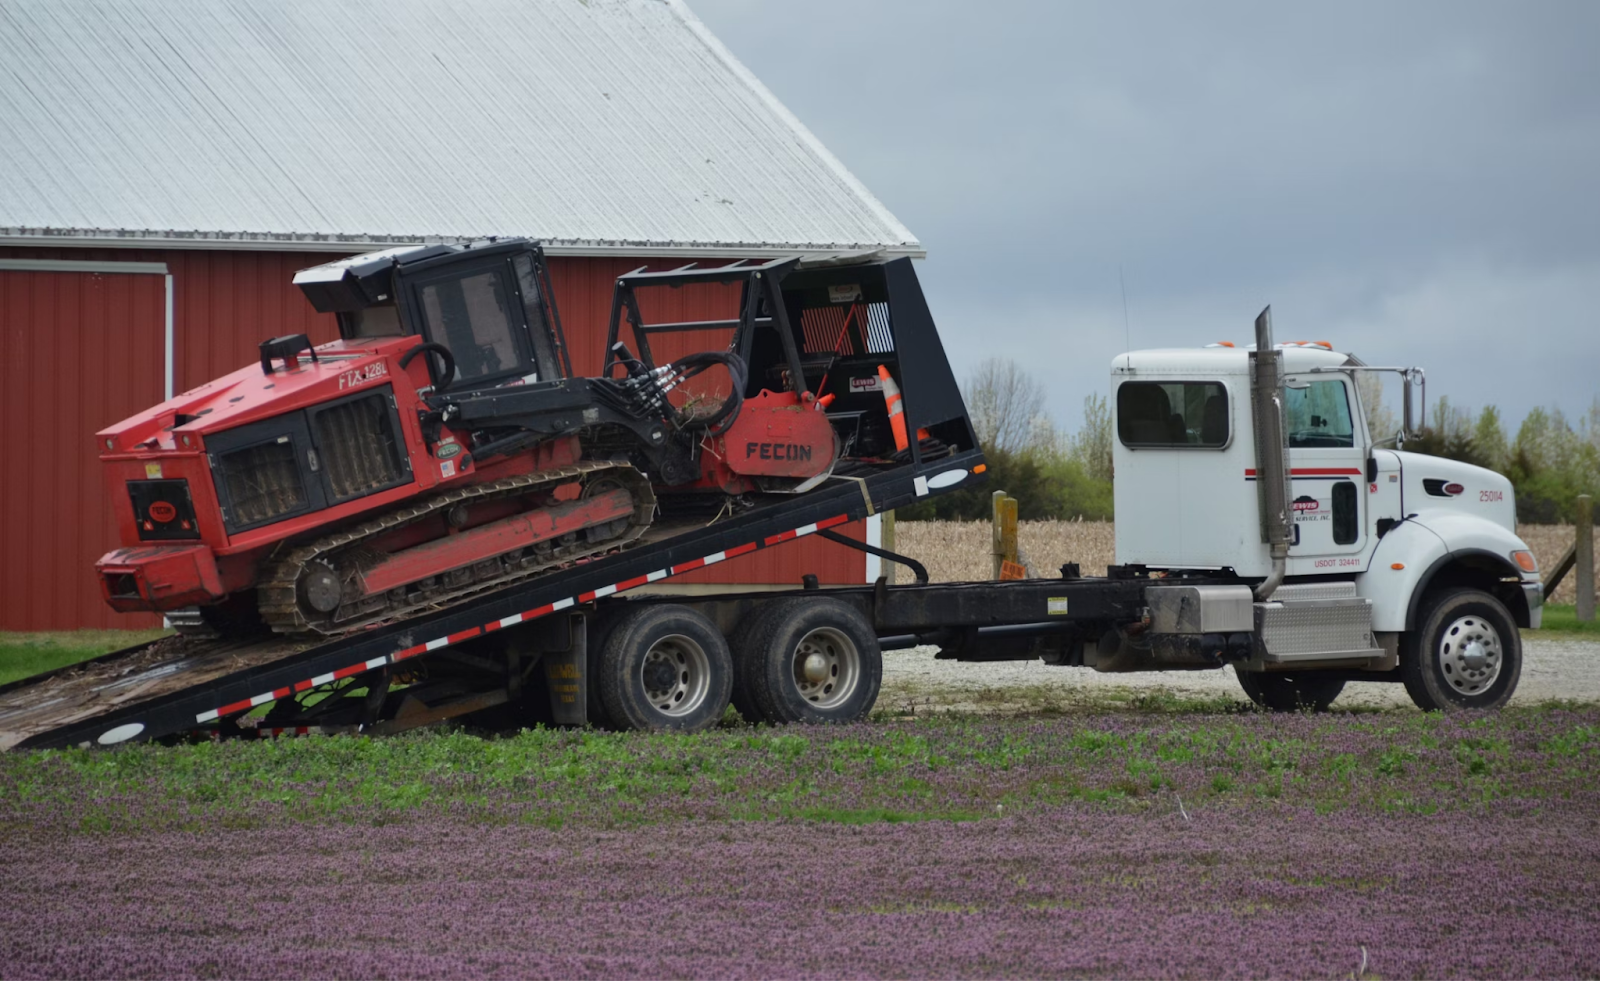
664 669
806 660
1290 691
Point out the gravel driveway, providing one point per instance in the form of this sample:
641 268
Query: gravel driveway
1552 669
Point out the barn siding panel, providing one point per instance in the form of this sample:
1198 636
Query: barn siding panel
82 351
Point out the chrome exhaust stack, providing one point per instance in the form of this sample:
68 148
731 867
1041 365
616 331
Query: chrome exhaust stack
1272 452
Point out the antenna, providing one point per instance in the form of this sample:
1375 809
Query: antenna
1127 332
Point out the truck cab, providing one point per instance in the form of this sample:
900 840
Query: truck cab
1398 565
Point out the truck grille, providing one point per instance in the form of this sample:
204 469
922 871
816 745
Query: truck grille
356 441
263 482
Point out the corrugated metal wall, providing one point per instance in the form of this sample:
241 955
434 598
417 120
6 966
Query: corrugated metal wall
84 350
80 351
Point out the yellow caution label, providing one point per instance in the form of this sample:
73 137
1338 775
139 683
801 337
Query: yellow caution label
1056 606
153 471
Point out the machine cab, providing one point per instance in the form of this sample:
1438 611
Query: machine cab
489 307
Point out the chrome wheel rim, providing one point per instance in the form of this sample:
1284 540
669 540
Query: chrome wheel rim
675 675
1470 655
826 667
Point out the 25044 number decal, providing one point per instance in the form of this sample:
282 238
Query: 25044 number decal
1488 497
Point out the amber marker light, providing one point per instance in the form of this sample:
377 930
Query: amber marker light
1525 561
1397 565
980 468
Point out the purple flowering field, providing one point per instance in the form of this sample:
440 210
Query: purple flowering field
1174 844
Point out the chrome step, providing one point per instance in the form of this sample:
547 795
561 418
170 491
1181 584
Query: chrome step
1316 622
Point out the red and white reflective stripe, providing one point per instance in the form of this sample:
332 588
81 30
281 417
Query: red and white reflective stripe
245 705
1315 472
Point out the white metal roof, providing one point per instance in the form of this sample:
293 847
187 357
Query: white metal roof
596 126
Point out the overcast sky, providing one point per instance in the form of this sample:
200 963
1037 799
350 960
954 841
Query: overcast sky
1416 182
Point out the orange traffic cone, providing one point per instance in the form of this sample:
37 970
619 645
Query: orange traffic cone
891 399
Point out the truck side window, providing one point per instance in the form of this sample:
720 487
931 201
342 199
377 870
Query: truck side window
1346 529
1319 415
471 315
1158 414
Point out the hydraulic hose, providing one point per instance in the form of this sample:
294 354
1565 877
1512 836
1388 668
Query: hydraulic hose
685 368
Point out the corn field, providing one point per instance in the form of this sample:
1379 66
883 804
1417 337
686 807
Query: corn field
955 551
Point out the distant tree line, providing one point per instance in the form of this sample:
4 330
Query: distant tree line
1051 474
1068 476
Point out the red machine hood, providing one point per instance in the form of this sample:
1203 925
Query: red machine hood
249 394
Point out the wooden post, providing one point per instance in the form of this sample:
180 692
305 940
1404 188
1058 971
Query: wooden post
1584 549
886 542
1006 565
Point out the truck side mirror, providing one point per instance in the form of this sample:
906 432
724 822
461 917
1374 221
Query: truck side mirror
1410 426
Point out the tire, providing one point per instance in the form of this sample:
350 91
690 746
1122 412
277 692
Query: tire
665 669
744 661
599 632
814 661
1466 653
1294 691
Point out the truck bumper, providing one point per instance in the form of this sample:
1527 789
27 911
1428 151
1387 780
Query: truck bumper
159 577
1533 592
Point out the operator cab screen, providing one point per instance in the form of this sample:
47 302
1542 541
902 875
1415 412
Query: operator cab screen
383 321
471 315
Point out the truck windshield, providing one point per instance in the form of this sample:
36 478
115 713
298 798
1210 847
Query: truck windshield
1319 415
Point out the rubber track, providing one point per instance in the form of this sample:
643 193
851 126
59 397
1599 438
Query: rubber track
281 609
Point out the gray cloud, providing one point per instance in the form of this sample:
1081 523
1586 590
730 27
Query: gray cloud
1415 182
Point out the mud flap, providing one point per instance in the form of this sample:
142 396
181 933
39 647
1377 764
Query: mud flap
566 674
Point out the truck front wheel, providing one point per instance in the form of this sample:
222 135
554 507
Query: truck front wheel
1466 653
1294 691
664 668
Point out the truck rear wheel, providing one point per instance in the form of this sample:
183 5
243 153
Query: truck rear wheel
811 660
1466 653
1293 691
665 668
743 660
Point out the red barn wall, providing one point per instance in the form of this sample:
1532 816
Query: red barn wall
83 350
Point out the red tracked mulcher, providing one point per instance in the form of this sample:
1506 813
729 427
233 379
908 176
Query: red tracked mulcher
441 447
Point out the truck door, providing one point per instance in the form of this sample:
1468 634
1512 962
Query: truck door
1327 465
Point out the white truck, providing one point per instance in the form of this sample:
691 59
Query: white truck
1355 560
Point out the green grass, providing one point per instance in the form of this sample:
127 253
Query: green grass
22 655
946 768
1561 618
